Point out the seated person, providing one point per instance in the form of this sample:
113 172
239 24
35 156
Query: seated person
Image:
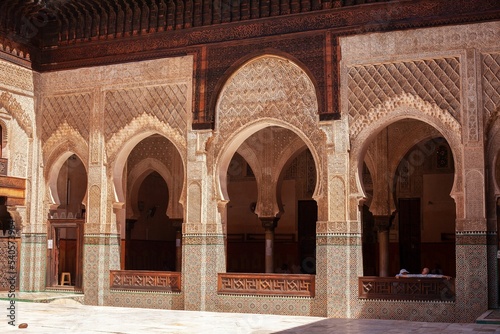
403 273
424 274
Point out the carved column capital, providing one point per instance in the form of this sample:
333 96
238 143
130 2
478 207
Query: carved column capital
383 223
269 223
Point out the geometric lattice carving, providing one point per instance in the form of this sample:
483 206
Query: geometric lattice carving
267 87
433 80
74 109
145 280
400 105
167 103
491 82
266 284
158 147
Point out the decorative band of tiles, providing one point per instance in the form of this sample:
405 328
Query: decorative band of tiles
472 238
406 288
266 284
145 280
203 239
339 240
101 239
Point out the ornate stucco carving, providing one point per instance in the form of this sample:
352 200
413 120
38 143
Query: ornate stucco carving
129 75
73 109
64 139
435 81
267 91
15 109
15 76
491 87
18 148
380 47
267 86
158 154
167 103
142 126
397 107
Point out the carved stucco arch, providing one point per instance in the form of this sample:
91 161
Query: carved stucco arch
137 176
13 108
124 142
417 135
291 150
240 135
56 151
398 108
265 91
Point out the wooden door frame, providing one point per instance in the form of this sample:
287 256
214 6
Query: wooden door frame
52 272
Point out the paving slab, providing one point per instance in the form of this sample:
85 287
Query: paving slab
68 316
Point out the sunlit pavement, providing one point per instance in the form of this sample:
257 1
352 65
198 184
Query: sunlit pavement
70 317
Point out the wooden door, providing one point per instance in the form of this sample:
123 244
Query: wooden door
64 252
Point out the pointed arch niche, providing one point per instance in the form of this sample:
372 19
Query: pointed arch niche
154 182
409 216
67 183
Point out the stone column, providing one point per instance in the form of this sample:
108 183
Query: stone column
269 224
383 225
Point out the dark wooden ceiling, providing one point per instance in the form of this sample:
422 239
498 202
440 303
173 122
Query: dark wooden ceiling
55 34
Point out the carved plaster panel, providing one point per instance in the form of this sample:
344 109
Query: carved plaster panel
64 139
435 81
73 109
18 151
268 87
269 91
21 112
383 47
141 125
491 86
168 103
165 70
16 77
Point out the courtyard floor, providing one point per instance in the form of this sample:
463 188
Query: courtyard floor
68 316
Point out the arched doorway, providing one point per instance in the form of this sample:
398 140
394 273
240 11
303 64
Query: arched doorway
66 223
154 182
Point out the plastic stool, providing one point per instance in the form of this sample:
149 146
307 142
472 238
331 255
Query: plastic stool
65 278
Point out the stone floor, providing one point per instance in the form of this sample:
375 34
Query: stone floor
65 315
